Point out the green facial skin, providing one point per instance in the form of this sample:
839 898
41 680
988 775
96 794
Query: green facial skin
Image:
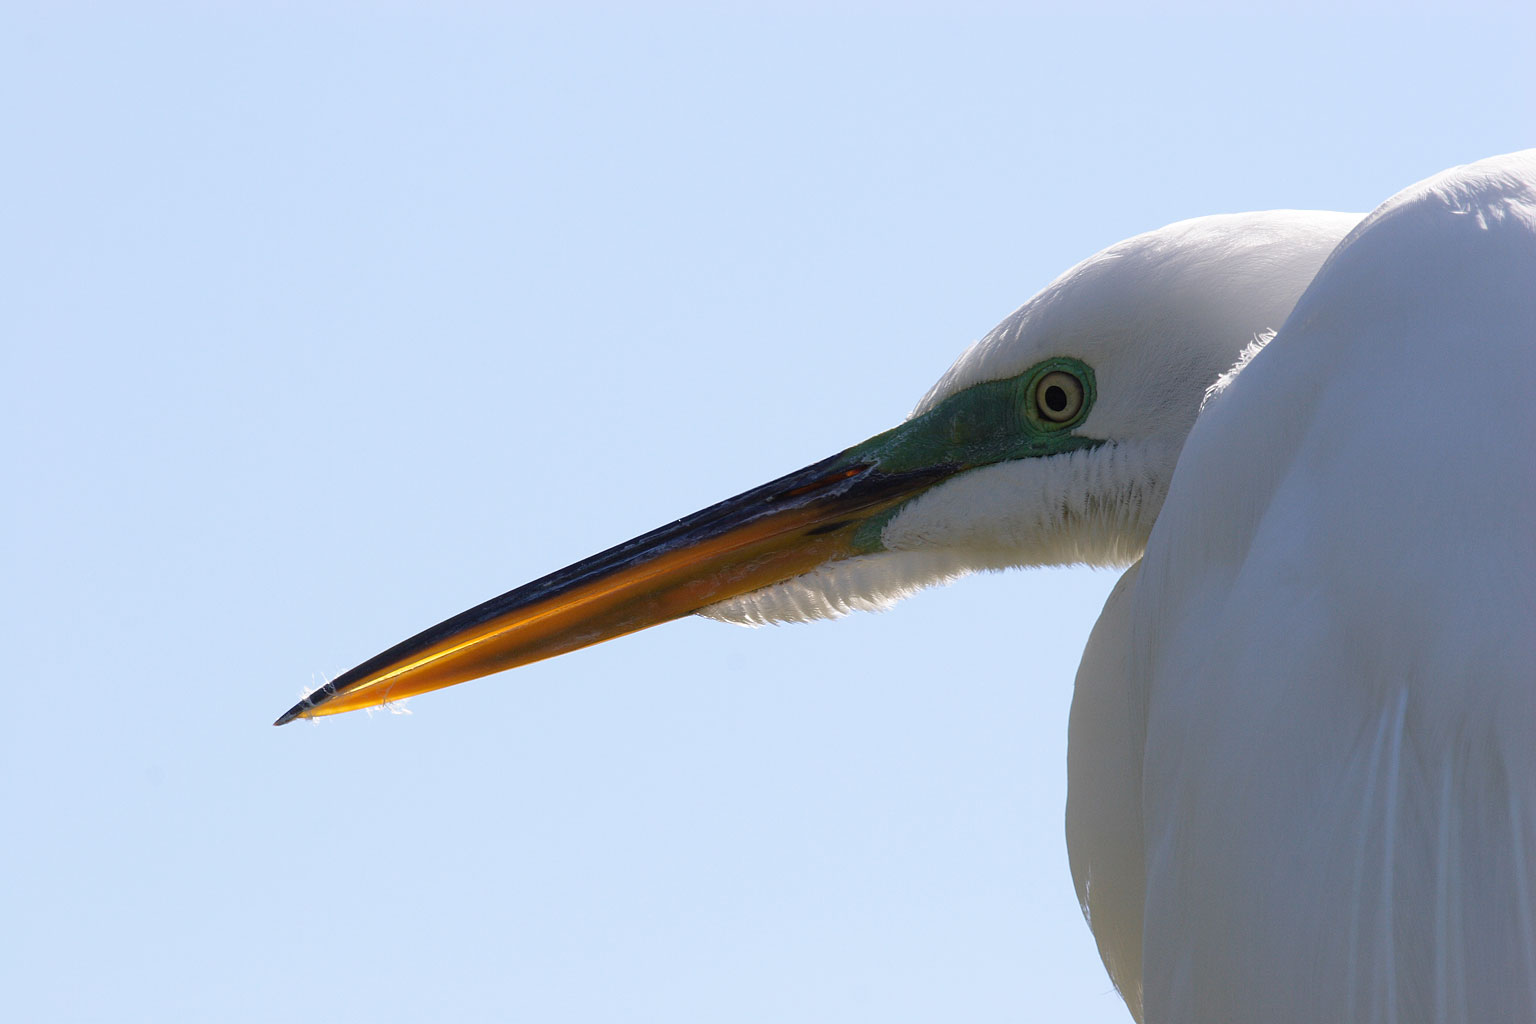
995 421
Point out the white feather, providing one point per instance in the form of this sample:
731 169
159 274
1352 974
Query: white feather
1336 627
1301 763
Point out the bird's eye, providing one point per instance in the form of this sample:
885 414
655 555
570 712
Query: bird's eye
1059 397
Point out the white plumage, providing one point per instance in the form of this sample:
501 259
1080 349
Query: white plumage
1303 738
1334 635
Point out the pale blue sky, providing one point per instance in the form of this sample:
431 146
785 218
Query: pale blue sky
321 326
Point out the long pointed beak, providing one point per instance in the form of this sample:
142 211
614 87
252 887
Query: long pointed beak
825 512
832 510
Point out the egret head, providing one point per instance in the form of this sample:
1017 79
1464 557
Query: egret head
1090 389
1050 441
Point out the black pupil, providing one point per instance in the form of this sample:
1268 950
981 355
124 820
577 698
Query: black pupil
1055 398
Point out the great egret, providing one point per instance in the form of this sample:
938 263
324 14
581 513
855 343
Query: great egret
1301 770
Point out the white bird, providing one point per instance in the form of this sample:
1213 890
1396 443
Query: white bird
1334 635
1302 777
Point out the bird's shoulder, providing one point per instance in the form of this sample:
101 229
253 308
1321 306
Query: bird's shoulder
1335 624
